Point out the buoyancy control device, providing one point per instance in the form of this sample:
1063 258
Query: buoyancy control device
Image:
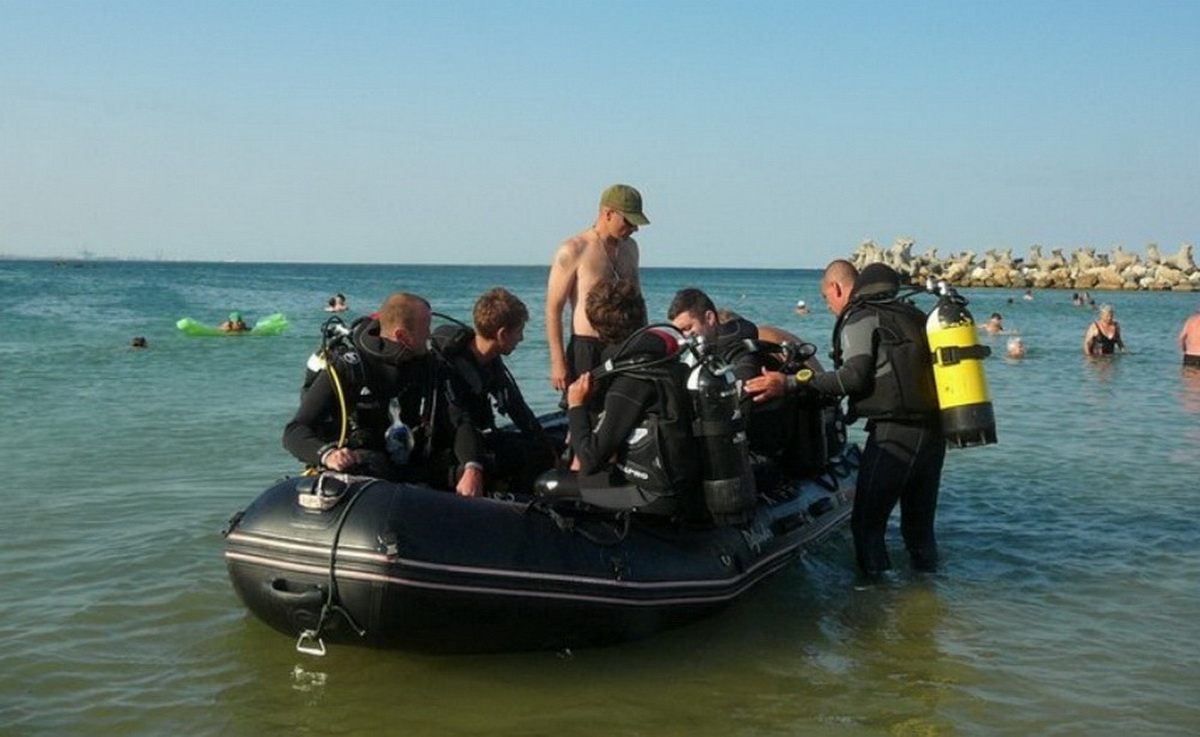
716 435
720 432
815 429
967 415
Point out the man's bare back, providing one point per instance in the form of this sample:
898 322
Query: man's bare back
1189 337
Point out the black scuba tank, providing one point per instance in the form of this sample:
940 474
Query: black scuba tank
729 492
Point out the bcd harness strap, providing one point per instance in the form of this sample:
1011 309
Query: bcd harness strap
952 354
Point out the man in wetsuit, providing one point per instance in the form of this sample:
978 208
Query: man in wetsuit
639 451
692 312
473 379
882 363
382 378
776 429
604 252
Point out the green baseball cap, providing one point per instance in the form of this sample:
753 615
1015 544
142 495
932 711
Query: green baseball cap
625 200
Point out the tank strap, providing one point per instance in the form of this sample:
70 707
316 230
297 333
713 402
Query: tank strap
952 354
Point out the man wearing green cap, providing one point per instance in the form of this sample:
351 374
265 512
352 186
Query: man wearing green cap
235 323
604 252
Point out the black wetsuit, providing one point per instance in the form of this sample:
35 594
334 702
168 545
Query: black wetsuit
626 401
882 363
768 424
372 373
731 345
645 426
780 430
465 422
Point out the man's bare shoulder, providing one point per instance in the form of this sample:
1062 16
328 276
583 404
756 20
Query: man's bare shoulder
568 253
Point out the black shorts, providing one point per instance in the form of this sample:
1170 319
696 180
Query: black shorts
1191 360
583 355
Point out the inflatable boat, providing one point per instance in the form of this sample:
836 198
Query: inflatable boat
342 559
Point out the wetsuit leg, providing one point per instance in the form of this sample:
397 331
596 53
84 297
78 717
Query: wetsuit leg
918 500
892 469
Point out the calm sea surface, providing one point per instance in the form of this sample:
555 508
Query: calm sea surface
1068 603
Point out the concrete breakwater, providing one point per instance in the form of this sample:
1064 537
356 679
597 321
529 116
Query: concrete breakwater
1083 268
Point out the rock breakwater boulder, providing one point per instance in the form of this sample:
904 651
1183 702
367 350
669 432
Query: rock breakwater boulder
1082 268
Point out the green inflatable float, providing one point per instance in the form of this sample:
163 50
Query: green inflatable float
269 325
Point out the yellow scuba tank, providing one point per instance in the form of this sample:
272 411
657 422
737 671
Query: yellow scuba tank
967 414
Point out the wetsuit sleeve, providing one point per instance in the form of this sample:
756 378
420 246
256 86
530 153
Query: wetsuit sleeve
746 366
468 440
319 403
856 375
624 404
461 407
518 410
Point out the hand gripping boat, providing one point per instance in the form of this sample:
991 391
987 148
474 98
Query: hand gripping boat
342 559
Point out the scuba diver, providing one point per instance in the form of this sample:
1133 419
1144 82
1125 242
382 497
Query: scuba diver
882 362
639 453
472 378
364 403
789 431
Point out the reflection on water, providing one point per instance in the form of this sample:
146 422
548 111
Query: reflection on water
1189 389
1103 368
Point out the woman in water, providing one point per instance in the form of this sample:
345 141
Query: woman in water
1103 337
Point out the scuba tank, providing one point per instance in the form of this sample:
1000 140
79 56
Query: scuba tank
967 415
719 429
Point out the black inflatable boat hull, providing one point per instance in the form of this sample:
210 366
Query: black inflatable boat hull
425 570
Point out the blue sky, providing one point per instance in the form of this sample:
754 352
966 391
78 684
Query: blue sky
761 134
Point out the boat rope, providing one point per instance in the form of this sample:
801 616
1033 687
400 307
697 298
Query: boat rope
310 641
574 524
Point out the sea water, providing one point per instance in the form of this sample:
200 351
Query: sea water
1067 603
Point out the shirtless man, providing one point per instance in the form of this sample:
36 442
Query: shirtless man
1189 340
604 252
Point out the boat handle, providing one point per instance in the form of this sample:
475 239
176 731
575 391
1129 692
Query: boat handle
280 588
309 644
